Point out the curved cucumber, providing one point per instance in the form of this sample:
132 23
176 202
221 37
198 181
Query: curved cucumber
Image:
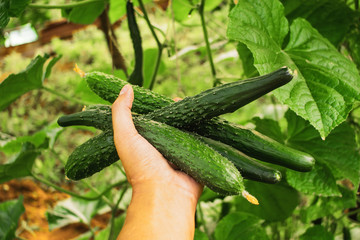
108 88
91 156
248 167
219 100
185 150
136 76
256 145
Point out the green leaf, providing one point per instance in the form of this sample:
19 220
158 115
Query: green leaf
20 165
319 181
73 210
338 152
332 18
16 85
17 7
317 232
326 84
269 128
84 93
199 235
247 60
85 14
117 9
10 213
276 201
183 8
149 62
42 139
327 206
240 225
11 8
50 65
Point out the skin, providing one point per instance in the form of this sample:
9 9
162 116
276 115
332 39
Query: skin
163 200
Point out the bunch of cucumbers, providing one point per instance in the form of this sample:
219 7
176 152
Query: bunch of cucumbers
189 133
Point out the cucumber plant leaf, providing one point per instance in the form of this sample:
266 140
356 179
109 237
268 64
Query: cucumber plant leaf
276 201
317 232
11 8
29 79
332 18
341 157
20 165
10 212
199 235
240 225
85 14
326 84
327 206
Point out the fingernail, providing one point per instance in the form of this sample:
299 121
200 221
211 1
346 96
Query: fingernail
125 89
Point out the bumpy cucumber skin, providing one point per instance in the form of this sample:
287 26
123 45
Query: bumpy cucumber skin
91 156
185 150
99 116
219 100
248 167
108 88
192 156
256 145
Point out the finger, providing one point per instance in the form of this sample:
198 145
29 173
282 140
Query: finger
135 152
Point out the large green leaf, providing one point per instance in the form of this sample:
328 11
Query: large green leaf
239 225
10 213
31 78
326 84
276 201
73 210
11 8
332 18
317 233
20 165
150 56
339 152
327 206
85 14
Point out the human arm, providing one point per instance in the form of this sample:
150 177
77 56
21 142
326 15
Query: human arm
164 200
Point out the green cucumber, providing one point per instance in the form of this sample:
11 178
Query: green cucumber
91 156
248 167
136 76
248 141
219 100
256 145
95 116
108 87
185 150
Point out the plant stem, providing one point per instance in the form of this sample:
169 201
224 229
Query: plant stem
52 91
63 6
206 38
112 235
159 44
108 202
46 182
203 221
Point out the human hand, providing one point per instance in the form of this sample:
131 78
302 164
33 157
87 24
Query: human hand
152 178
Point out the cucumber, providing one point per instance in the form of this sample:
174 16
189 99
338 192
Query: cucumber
248 141
136 76
91 156
256 145
219 100
249 168
185 150
108 87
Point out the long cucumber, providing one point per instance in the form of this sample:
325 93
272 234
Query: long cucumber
97 117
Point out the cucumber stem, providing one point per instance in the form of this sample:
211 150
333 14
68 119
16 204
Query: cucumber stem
158 43
52 91
63 6
207 43
112 235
